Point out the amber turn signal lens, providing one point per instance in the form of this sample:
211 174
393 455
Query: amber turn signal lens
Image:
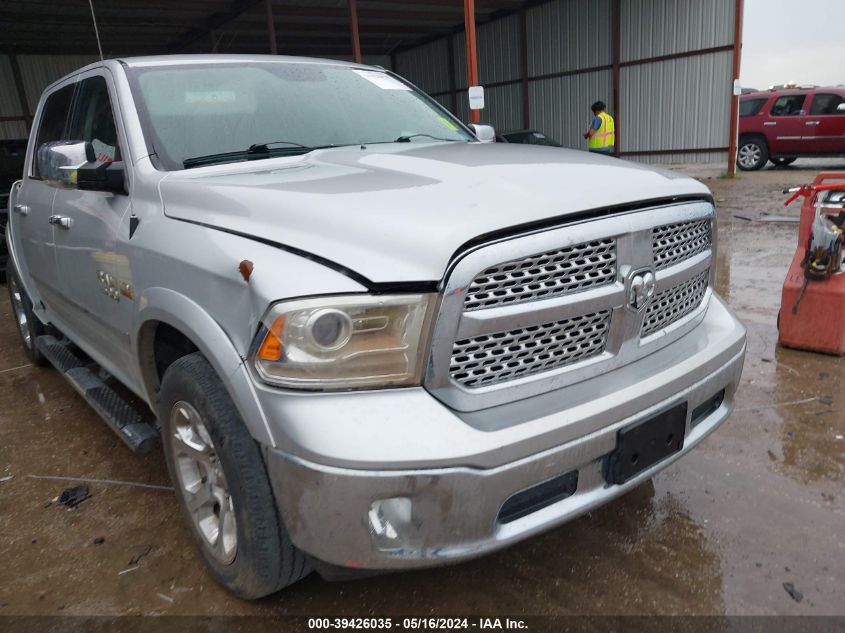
271 346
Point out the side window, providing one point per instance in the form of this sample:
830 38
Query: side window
93 119
826 103
54 119
750 107
789 105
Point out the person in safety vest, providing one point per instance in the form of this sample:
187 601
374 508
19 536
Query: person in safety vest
601 135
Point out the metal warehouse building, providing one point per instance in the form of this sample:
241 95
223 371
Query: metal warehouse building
665 68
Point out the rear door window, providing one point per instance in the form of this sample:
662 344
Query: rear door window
789 105
826 103
750 107
54 120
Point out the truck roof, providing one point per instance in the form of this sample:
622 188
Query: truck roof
174 60
170 60
797 90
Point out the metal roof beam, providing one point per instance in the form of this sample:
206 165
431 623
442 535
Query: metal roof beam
213 23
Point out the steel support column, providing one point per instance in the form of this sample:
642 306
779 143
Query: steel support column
616 61
353 27
453 87
472 53
734 130
271 27
523 54
19 86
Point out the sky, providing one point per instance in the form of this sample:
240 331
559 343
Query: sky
793 40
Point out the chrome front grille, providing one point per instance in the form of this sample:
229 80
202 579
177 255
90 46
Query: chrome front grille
546 310
545 275
674 243
674 304
495 358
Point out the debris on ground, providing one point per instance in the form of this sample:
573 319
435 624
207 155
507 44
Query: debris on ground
99 540
72 497
773 217
106 482
135 559
163 597
793 592
6 478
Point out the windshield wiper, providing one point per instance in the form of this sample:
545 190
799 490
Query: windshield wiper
253 152
263 148
407 138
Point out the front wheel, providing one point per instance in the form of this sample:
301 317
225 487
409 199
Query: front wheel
752 154
222 485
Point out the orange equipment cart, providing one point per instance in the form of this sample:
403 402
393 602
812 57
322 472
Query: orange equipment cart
818 324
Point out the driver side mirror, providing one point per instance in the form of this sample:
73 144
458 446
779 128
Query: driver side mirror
841 107
74 165
484 133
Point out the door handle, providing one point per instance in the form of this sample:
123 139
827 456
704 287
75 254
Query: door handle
62 221
811 123
769 123
21 209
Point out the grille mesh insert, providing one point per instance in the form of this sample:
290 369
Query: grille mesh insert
673 243
551 274
495 358
674 304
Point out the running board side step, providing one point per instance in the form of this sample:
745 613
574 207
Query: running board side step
124 420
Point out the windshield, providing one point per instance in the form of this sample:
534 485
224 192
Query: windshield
283 108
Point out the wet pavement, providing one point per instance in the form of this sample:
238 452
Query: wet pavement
760 503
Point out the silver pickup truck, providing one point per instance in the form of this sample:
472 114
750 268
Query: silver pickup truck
366 339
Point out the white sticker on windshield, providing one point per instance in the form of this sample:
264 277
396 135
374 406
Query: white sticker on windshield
210 96
382 80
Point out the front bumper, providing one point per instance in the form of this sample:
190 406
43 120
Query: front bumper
457 470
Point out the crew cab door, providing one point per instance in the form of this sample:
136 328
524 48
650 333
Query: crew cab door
31 203
787 128
91 239
828 122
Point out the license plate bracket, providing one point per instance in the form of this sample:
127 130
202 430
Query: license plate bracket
642 444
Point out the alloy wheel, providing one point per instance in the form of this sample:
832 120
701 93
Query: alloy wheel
202 482
749 155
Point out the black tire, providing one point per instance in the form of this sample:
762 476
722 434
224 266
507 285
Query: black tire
752 154
265 559
29 326
782 162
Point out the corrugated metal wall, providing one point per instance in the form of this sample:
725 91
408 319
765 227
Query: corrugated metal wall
678 103
567 35
651 28
665 104
560 106
682 103
37 72
427 66
10 105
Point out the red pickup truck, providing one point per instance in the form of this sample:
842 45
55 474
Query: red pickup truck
782 125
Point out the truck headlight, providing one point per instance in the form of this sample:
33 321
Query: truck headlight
345 342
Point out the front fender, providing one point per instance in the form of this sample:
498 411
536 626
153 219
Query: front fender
161 305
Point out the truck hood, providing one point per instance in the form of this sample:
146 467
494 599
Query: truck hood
399 212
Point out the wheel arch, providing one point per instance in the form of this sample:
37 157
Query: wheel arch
166 311
745 136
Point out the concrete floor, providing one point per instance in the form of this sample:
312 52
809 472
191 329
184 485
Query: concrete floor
760 503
